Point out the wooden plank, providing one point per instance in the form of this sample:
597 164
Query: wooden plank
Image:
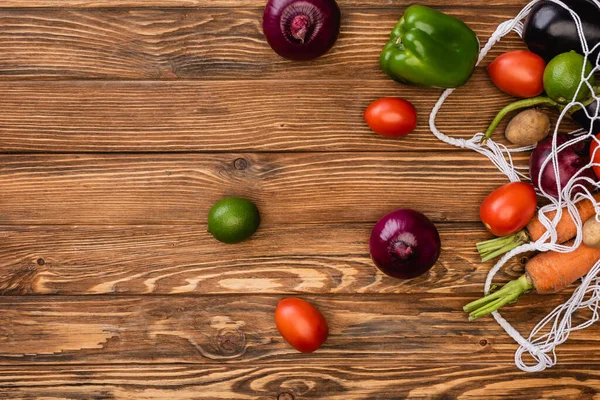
218 116
227 3
288 382
227 116
196 44
72 260
288 188
240 330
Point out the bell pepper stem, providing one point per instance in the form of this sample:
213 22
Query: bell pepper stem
509 293
517 105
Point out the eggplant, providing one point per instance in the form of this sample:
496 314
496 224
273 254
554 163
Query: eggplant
550 30
586 123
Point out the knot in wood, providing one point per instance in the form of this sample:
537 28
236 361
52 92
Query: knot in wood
231 341
483 342
240 164
524 260
40 261
285 396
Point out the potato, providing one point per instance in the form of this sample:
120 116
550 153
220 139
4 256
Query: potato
527 127
591 233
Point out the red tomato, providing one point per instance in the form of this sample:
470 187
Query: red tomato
391 116
509 208
519 73
595 157
301 324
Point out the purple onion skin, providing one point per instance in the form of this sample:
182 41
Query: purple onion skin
570 161
404 244
301 29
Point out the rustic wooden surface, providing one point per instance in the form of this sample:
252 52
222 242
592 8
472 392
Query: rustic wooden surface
122 121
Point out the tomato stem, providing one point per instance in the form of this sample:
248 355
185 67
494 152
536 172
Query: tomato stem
509 293
495 247
517 105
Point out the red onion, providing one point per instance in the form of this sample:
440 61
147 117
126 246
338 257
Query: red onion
404 244
301 29
570 161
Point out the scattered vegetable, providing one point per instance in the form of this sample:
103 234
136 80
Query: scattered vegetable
233 219
518 73
591 233
301 29
429 48
404 244
509 208
391 116
517 105
550 29
528 127
565 230
572 161
562 77
301 324
548 272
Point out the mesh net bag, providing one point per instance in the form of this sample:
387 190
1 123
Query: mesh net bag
555 328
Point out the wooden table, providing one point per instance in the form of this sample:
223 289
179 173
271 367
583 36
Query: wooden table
122 121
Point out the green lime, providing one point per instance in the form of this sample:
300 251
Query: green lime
563 75
233 219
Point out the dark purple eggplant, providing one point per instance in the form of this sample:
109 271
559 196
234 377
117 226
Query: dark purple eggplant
550 29
582 119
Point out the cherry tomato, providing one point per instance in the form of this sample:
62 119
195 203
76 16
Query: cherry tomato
301 324
519 73
509 208
595 157
391 116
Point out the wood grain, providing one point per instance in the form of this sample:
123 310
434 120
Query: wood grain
288 188
112 289
229 116
260 382
228 3
206 44
240 330
72 260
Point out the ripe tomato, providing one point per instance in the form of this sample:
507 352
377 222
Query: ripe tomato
301 324
519 73
391 116
595 157
509 208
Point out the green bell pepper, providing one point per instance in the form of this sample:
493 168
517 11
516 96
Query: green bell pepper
429 48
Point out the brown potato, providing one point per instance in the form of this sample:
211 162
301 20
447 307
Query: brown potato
591 233
527 127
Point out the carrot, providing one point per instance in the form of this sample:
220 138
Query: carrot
565 230
548 272
551 272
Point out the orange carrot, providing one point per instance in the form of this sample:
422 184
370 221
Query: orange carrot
548 272
565 230
551 272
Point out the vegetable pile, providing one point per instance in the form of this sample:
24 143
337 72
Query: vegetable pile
428 48
560 165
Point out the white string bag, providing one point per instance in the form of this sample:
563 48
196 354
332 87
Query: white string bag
558 324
